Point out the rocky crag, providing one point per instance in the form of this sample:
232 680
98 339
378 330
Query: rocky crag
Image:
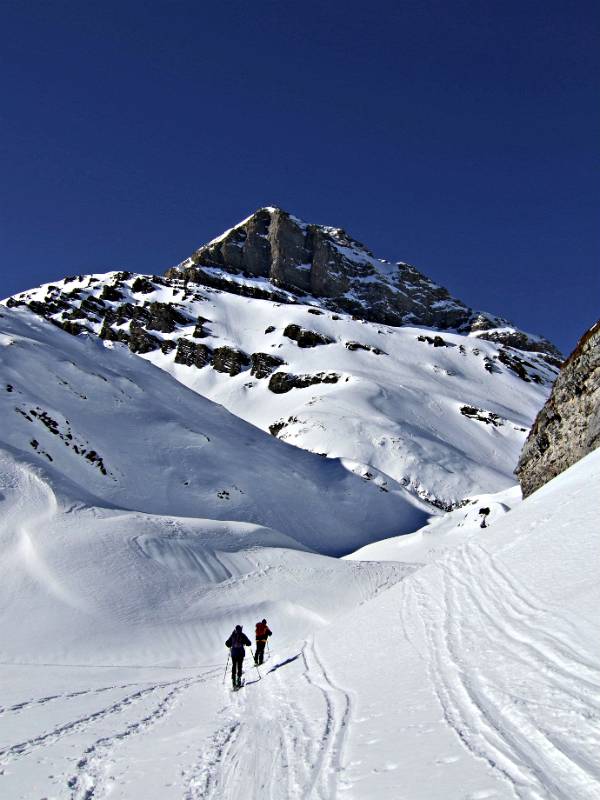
568 426
326 263
272 255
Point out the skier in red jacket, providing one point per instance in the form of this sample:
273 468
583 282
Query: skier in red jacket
262 634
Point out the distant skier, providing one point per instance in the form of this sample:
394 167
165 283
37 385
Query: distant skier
236 643
262 634
484 514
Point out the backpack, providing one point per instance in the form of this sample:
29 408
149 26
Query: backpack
261 630
237 639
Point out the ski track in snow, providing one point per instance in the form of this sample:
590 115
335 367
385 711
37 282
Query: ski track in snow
546 749
337 721
26 705
273 743
19 749
272 746
93 777
487 641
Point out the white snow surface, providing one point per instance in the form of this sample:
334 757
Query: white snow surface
470 669
140 520
69 401
442 532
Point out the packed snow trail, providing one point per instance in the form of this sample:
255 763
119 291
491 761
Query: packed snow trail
283 737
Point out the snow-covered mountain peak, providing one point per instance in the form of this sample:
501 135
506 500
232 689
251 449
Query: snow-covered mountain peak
327 263
301 331
443 415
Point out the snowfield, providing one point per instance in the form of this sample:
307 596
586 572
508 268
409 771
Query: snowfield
140 521
475 676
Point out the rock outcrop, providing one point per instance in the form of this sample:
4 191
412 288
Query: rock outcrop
306 338
282 382
568 426
192 355
264 364
327 263
231 361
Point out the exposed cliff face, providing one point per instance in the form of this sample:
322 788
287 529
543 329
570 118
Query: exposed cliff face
568 426
328 264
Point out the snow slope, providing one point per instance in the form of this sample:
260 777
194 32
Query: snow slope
475 677
445 416
504 634
110 430
442 533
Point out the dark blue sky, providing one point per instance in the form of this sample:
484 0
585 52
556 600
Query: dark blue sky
462 137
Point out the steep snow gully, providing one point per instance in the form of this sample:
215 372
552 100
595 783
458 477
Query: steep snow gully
476 676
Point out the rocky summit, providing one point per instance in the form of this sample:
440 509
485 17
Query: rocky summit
568 426
327 263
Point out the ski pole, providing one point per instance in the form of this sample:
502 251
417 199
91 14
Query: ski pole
268 649
256 665
226 665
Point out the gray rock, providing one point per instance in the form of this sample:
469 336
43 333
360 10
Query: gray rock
140 341
197 275
282 382
568 426
306 338
69 327
520 341
328 263
436 341
200 331
92 306
142 285
125 312
246 248
109 334
290 252
230 361
352 346
520 366
192 354
111 293
264 364
164 317
489 417
276 427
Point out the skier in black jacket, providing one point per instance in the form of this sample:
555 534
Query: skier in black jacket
236 643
